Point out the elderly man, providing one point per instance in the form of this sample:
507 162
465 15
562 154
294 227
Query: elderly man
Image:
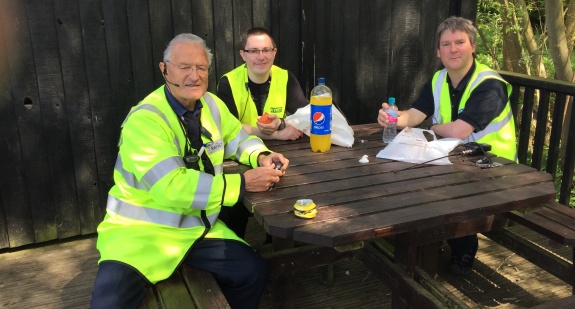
467 100
169 189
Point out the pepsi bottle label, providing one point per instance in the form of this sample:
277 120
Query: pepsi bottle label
320 119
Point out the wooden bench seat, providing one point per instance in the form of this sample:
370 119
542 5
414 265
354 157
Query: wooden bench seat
567 302
188 287
555 221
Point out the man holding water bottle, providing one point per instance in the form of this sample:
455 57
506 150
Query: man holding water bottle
466 100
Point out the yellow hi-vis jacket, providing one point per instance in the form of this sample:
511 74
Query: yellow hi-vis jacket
499 133
157 207
277 96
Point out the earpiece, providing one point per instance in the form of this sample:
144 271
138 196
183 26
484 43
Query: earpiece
165 70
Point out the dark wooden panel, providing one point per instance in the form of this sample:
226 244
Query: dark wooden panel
139 29
15 221
242 21
347 43
55 65
289 39
119 59
161 31
101 103
261 13
203 26
33 130
77 212
181 16
223 49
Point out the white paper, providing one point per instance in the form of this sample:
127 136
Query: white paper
410 145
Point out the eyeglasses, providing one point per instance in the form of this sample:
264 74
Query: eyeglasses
201 70
266 51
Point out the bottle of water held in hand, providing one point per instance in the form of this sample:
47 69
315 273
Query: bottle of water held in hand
390 132
320 103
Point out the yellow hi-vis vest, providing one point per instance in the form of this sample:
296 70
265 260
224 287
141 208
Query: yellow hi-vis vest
499 133
277 96
157 208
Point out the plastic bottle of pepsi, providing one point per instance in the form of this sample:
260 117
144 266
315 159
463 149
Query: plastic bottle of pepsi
390 132
320 117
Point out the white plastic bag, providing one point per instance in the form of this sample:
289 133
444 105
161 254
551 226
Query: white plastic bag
410 145
341 132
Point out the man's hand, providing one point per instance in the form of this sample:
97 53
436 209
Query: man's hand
271 127
264 177
408 118
289 133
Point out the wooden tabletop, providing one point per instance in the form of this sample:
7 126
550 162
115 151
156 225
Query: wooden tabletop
363 201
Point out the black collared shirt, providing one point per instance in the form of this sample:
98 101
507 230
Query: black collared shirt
485 102
190 119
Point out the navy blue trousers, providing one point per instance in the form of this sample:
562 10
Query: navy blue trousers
239 270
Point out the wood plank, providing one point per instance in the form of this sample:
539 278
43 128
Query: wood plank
161 31
549 223
543 258
182 19
173 293
42 127
143 66
97 75
14 205
361 188
203 288
119 52
223 49
402 285
337 232
74 219
203 26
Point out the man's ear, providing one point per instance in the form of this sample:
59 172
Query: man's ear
163 68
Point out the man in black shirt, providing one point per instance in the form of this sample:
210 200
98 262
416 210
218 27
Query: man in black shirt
257 87
466 100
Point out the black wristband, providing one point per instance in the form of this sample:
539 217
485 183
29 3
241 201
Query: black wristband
282 124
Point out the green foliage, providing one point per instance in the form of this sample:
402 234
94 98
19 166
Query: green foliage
490 43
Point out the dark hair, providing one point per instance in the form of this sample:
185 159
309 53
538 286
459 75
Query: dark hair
457 23
255 31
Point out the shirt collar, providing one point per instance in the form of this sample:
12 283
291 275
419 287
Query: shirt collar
178 108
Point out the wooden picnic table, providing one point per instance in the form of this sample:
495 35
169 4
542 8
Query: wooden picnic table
361 202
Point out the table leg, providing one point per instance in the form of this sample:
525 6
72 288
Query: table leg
405 252
283 286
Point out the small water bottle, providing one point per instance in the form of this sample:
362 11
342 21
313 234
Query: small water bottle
390 132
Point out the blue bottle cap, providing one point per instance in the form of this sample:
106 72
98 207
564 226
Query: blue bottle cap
321 80
391 100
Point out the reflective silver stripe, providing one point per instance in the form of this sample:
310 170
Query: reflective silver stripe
218 169
490 128
481 76
244 146
152 176
214 110
232 146
437 96
157 216
160 170
129 177
203 191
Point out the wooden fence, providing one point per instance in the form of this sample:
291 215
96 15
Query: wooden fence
71 70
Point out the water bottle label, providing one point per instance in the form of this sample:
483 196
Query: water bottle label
320 119
391 116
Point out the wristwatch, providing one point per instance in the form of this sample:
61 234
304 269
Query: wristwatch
282 124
